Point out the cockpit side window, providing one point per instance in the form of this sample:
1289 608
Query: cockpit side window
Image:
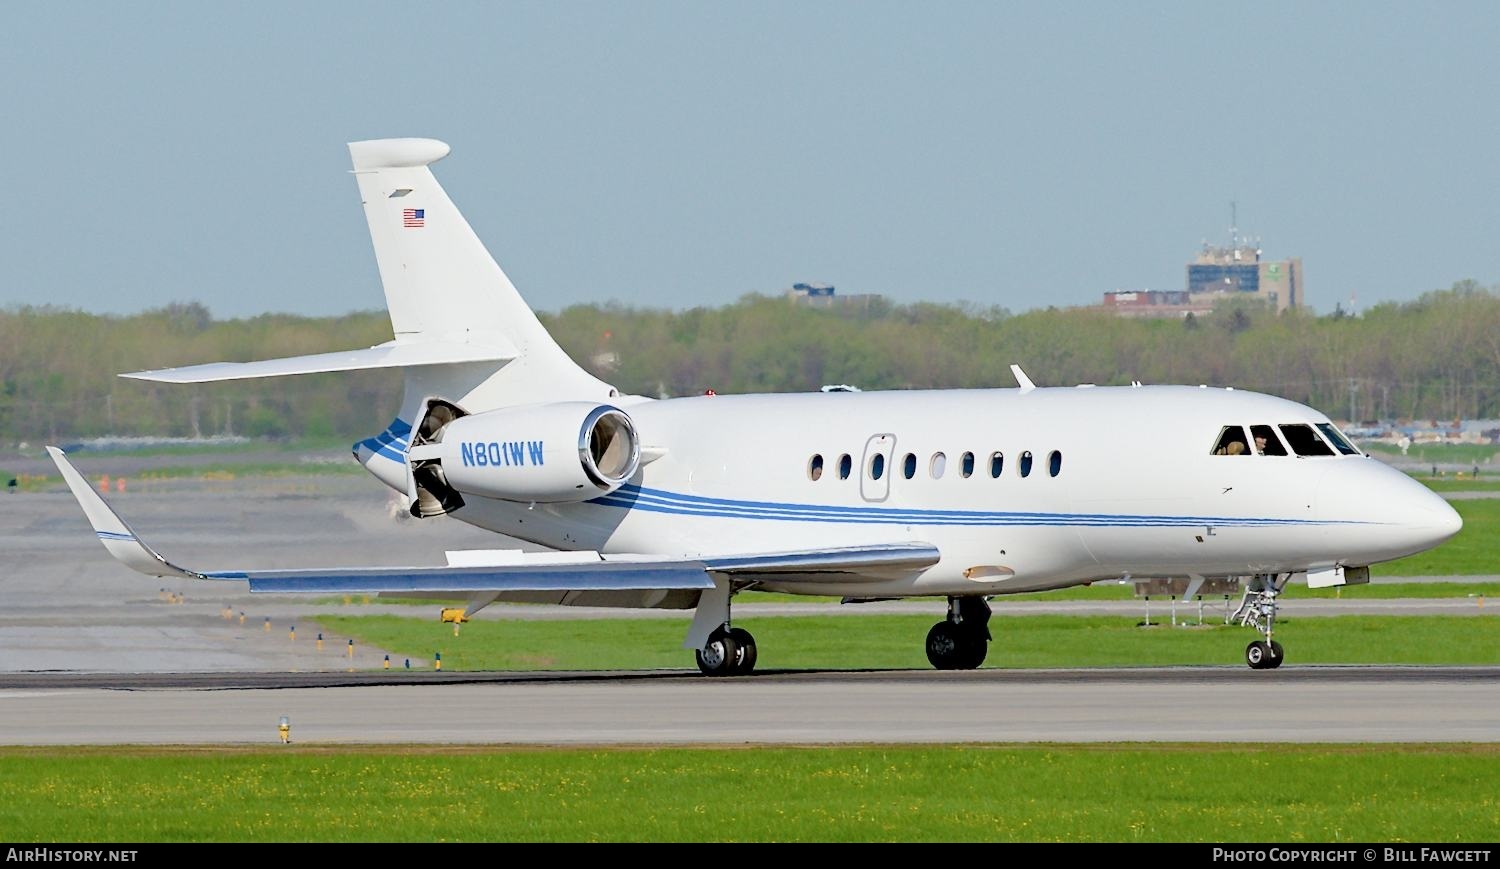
1337 438
1232 442
1305 441
1266 441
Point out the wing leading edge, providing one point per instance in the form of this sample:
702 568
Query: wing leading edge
512 572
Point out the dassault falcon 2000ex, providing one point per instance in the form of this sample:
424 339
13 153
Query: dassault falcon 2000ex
682 503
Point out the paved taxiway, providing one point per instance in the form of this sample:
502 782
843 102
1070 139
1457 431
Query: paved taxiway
1306 704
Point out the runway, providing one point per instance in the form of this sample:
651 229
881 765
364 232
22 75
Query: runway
1210 704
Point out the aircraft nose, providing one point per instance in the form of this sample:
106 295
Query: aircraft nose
1400 515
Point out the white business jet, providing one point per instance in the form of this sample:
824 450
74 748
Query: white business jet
681 503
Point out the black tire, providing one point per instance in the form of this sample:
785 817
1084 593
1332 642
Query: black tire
719 657
1277 656
746 656
945 646
976 647
1258 655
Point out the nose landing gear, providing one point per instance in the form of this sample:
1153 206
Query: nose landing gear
1258 610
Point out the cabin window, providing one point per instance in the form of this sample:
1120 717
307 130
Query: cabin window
877 466
815 468
1026 464
937 466
1305 441
966 467
1266 443
1337 438
1232 442
997 464
1054 463
909 466
846 466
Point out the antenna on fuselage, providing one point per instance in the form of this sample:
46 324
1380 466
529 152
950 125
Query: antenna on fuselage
1022 380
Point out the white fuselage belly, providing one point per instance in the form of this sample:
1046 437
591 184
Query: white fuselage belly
1139 491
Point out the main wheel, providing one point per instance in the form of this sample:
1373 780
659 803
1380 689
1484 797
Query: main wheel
976 648
720 656
950 647
745 659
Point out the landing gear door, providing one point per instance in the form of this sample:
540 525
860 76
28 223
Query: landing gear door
875 469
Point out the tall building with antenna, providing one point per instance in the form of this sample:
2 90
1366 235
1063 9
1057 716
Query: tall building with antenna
1217 273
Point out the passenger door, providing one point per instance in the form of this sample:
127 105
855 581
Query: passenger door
875 469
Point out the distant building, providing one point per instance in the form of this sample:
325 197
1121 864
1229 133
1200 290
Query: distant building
1217 274
1239 269
1147 303
824 296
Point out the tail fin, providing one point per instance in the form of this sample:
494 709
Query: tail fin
462 331
442 285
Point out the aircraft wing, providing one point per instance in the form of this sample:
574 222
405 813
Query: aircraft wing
505 571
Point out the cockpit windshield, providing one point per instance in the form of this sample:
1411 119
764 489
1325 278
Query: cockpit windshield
1273 440
1266 441
1337 438
1305 441
1232 442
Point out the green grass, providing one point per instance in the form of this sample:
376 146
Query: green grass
1464 454
896 642
1105 591
1115 793
1476 549
1465 483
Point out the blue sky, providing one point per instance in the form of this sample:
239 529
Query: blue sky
678 154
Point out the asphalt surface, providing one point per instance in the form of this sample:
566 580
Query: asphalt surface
1306 704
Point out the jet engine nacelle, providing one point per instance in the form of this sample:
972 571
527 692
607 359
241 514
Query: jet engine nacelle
549 453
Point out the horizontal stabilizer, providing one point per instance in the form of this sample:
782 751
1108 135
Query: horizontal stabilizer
389 355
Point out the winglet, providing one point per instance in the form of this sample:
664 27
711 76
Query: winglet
116 536
1022 380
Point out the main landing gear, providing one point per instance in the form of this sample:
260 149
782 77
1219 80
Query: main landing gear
728 652
962 641
1258 610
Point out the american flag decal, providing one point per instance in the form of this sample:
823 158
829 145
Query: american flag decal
413 217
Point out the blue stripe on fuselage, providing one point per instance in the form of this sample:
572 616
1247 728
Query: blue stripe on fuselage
632 497
391 443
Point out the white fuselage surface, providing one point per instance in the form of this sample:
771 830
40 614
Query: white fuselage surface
1019 489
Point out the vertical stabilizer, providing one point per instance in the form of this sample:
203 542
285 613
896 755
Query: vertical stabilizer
441 284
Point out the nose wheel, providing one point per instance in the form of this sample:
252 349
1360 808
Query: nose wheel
1261 655
1258 610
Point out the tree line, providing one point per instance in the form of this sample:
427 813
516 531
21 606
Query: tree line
1437 357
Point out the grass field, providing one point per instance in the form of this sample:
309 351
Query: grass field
1463 454
896 642
1117 793
1464 483
1378 590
